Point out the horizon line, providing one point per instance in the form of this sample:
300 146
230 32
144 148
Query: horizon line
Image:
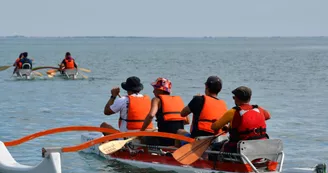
22 36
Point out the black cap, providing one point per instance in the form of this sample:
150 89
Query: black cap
132 84
214 83
243 93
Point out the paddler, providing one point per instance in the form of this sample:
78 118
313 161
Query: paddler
133 108
206 109
67 63
247 122
16 63
167 109
25 63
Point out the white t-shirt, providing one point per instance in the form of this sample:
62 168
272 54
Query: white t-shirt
121 105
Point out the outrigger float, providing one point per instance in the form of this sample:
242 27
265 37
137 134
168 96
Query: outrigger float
253 155
68 73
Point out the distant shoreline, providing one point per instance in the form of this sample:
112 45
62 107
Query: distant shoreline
145 37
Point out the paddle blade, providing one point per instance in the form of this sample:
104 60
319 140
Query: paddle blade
85 77
113 146
38 73
4 68
191 152
52 71
51 75
85 70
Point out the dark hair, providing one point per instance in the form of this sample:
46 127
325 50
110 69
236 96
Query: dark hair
214 88
214 84
164 92
68 54
135 92
25 54
20 55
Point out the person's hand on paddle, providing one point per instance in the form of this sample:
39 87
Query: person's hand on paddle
115 91
197 95
225 128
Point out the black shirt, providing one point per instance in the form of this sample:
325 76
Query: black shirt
196 106
168 127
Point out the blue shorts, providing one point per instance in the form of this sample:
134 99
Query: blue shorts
184 142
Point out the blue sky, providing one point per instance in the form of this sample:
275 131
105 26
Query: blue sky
165 18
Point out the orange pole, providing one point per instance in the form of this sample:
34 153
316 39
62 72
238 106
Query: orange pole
58 130
123 135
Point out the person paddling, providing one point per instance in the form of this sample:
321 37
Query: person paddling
67 63
25 63
133 108
206 109
247 122
167 110
16 63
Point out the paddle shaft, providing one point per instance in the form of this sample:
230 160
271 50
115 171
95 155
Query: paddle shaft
4 67
191 152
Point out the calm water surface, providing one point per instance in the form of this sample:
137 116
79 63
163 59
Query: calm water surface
288 76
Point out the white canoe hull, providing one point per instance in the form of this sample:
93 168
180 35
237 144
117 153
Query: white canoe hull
70 73
50 164
25 74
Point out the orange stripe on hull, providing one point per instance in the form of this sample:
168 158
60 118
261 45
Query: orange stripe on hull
200 164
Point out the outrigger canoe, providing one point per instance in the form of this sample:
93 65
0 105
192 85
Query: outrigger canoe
70 73
270 152
66 73
25 74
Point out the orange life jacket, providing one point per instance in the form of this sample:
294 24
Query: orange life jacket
17 61
138 110
248 123
69 63
19 65
172 106
213 110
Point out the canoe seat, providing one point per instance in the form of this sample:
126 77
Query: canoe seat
270 149
260 153
70 71
26 66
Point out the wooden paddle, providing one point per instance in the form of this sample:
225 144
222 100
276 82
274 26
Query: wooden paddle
84 70
37 73
191 152
52 72
113 146
2 68
85 77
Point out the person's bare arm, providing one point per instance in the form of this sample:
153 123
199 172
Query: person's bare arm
153 110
